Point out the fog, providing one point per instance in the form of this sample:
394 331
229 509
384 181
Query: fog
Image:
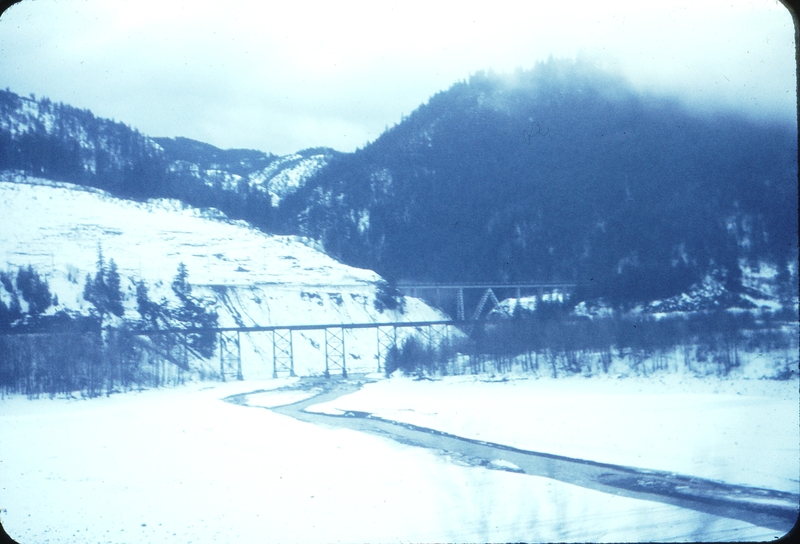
280 78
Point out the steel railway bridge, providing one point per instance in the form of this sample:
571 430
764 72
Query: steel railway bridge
282 337
433 332
282 342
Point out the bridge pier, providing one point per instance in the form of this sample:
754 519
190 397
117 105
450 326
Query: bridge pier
335 350
437 335
282 352
230 354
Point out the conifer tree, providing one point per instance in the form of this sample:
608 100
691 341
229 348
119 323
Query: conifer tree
88 288
194 314
105 291
180 285
143 302
114 290
35 291
149 311
99 277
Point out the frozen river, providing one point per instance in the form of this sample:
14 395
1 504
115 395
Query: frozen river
182 465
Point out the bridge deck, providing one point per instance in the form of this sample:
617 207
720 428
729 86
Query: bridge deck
270 328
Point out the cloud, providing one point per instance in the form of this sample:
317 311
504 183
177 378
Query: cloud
281 77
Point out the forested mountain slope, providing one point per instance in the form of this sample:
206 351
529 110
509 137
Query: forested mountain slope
562 173
59 142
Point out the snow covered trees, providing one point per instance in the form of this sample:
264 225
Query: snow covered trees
105 291
33 289
104 352
190 313
150 313
194 314
388 297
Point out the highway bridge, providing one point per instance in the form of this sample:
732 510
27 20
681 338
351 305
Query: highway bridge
438 293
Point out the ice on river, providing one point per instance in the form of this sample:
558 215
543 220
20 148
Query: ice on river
737 431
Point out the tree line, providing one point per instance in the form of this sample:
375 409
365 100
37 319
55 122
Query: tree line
106 350
553 341
77 147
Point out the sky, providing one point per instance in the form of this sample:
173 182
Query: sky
280 77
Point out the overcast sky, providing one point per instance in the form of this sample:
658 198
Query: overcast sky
283 77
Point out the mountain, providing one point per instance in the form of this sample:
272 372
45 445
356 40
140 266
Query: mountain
562 173
63 143
243 170
247 277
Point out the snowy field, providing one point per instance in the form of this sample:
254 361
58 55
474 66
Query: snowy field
743 432
181 465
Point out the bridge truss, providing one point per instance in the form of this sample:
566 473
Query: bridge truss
282 339
437 293
434 333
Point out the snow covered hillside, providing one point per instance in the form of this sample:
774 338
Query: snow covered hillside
78 143
251 278
243 170
287 174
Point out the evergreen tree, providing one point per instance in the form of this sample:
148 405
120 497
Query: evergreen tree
143 302
35 291
194 314
180 285
88 289
99 277
114 290
105 291
150 312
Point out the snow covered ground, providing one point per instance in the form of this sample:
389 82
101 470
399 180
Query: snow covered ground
181 465
737 431
252 278
287 174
